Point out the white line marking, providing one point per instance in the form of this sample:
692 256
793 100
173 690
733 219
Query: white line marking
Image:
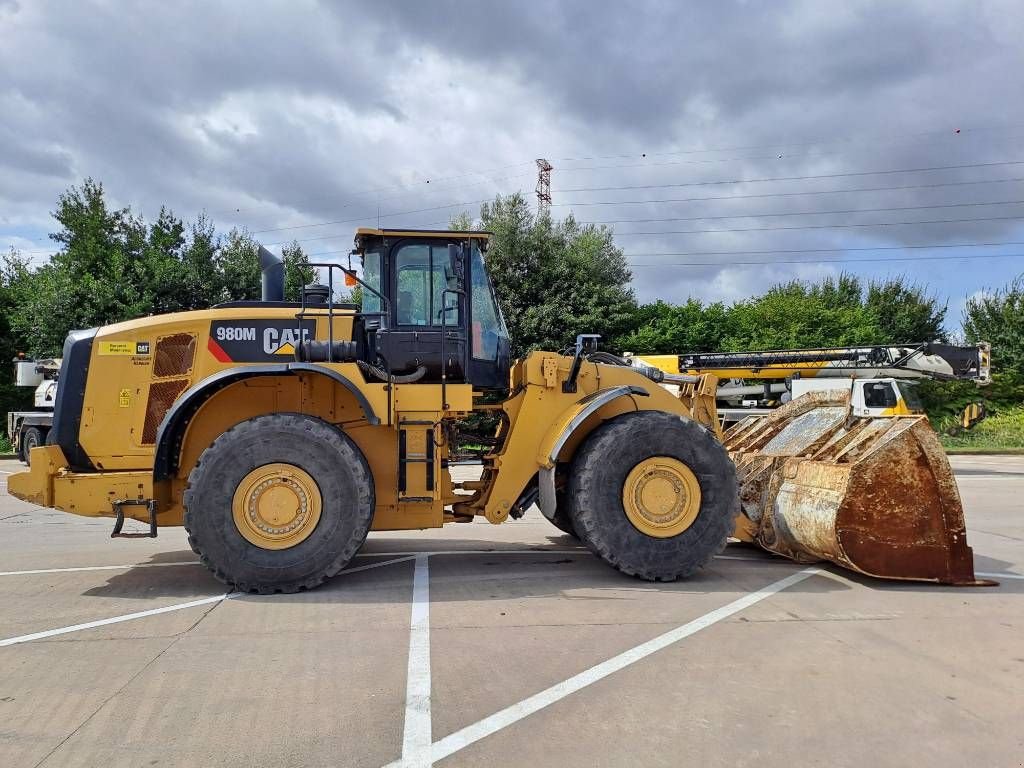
165 609
96 568
1000 575
449 745
753 559
117 619
418 732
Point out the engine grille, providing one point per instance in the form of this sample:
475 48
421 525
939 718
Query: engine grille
174 355
161 395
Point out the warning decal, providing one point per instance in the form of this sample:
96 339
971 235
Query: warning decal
117 347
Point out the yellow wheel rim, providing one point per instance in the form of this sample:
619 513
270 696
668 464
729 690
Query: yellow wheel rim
276 506
661 497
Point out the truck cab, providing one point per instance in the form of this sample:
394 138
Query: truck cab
868 397
29 429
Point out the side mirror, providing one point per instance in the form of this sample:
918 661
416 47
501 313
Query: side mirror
455 269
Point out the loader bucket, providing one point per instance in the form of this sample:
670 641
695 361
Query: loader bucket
876 495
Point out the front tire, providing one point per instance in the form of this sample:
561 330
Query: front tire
653 495
279 503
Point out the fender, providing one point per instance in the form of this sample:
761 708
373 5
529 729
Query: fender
563 429
172 428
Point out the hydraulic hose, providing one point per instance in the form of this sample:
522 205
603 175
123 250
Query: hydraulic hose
382 375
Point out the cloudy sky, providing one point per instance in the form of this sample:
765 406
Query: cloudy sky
731 145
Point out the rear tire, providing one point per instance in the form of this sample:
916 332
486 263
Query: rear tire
596 505
31 438
317 451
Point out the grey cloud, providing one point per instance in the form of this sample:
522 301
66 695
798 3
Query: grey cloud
274 116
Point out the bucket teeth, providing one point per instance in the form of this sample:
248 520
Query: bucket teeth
875 495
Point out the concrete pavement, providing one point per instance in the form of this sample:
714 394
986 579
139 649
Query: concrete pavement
538 654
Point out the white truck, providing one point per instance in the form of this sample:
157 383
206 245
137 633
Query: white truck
880 378
27 429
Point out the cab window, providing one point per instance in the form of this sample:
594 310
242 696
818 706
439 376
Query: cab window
371 275
910 396
421 283
879 395
488 324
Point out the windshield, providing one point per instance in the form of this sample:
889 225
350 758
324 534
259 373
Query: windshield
371 276
488 323
909 392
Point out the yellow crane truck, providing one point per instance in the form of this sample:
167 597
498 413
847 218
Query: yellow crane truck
279 433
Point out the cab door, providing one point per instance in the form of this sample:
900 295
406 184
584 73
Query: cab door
427 320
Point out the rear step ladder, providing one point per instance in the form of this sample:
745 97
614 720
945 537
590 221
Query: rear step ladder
119 505
405 458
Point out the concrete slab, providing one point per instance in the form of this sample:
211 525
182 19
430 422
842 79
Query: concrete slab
836 670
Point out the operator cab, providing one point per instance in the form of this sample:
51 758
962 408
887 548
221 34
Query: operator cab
427 301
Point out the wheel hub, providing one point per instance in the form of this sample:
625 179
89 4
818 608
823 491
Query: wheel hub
276 506
661 497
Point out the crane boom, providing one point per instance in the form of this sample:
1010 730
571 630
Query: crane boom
915 360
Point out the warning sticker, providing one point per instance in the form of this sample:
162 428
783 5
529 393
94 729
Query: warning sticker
117 347
127 348
124 399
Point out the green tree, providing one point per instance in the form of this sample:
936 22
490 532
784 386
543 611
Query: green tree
554 279
998 318
903 311
202 282
239 265
13 275
664 328
297 272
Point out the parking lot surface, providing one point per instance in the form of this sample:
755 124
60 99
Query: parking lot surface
506 645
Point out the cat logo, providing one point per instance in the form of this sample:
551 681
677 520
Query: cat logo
284 341
257 341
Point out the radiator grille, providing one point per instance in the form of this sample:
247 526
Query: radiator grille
174 355
161 395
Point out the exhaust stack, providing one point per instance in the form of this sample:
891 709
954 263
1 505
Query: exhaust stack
272 268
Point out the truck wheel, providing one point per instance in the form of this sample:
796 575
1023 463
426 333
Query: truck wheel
653 495
279 503
31 438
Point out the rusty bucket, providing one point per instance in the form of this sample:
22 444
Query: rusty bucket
876 495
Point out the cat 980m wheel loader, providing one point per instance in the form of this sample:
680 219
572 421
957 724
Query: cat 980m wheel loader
280 433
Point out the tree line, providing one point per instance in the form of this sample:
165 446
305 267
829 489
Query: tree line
554 279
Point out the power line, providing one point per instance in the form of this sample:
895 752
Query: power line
796 178
804 213
833 261
704 161
792 194
644 202
412 187
751 229
950 132
820 226
831 250
371 216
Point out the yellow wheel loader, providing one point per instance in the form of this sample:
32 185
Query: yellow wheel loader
280 433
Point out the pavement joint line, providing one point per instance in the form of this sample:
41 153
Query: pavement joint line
165 609
481 729
405 555
418 732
